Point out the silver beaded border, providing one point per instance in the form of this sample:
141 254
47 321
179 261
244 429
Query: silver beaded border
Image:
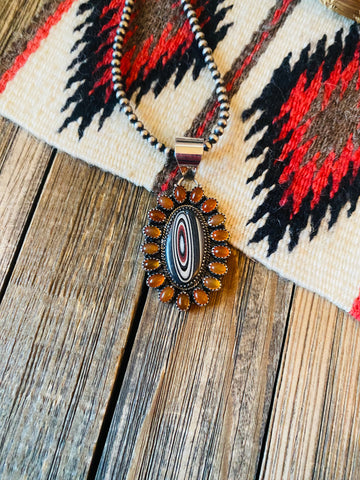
119 87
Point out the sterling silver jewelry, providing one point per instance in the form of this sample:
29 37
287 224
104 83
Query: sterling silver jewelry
186 243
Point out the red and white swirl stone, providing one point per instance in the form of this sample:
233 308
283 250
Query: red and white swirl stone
184 246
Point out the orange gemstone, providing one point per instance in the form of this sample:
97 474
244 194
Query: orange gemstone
218 268
220 251
180 194
183 302
167 294
201 298
151 264
157 216
212 283
196 195
151 231
165 202
220 235
156 280
216 220
209 205
150 248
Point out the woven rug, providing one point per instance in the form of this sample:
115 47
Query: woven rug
287 170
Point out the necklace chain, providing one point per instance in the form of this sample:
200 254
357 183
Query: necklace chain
119 87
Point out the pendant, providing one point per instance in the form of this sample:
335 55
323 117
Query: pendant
186 243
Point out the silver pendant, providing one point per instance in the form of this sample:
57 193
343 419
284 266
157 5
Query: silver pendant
186 246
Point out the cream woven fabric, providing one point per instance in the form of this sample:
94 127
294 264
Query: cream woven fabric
287 170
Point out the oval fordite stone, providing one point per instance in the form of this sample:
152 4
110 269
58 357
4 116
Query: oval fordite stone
184 246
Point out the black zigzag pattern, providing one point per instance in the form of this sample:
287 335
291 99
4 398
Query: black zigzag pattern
91 97
278 218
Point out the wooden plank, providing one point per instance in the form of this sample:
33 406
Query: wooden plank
65 318
196 395
315 425
23 162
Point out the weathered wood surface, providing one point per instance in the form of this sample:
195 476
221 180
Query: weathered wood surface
197 392
315 425
23 163
65 318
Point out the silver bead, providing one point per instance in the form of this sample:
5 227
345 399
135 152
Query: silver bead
125 18
120 32
220 90
207 146
213 139
225 106
223 98
209 59
212 66
218 131
118 80
202 43
144 133
206 51
224 114
121 93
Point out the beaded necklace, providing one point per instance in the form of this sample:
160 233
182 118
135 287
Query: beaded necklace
186 244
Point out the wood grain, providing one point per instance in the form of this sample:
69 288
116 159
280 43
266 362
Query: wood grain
196 395
315 425
23 161
64 320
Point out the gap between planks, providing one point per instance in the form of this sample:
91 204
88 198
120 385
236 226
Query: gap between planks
24 166
196 395
315 427
65 319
